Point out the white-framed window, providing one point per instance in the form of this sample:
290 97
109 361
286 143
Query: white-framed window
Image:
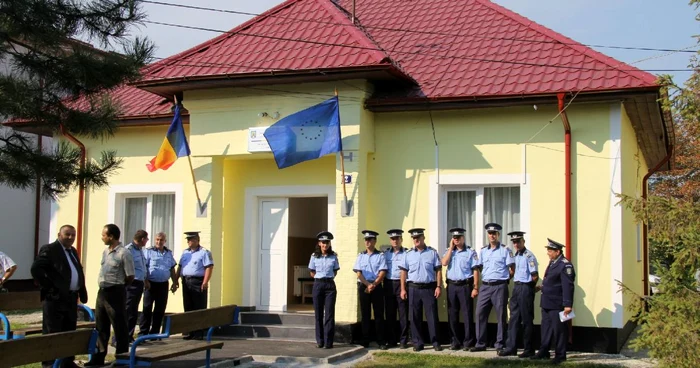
499 204
153 208
472 200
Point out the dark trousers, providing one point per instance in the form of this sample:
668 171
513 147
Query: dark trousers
459 299
155 300
491 296
553 329
368 302
110 311
394 303
60 316
133 298
522 305
417 299
193 298
324 295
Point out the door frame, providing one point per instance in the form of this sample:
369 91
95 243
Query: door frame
251 226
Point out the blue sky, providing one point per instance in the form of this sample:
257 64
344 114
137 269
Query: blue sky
666 24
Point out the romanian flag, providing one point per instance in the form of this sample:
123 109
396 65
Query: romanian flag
174 145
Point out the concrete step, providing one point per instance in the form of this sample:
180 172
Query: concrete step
267 318
244 330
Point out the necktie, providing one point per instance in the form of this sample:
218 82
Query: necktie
72 258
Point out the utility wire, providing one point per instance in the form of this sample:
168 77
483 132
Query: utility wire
414 53
684 50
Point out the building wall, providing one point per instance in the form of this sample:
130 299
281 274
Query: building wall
490 142
633 170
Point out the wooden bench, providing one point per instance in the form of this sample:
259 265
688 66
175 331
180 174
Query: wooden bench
47 347
181 323
32 300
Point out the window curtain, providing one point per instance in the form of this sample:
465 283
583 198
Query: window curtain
461 212
163 217
135 218
502 206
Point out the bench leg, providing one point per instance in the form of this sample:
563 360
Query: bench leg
208 357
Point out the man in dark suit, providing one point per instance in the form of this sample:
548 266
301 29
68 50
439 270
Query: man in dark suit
62 281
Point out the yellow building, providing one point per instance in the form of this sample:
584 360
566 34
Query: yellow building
446 120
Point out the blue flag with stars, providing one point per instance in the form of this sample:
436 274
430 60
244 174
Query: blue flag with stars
306 135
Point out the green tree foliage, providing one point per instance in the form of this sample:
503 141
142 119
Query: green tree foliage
670 320
54 81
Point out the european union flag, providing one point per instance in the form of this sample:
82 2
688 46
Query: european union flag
306 135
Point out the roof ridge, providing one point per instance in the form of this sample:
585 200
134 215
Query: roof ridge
360 35
571 43
232 32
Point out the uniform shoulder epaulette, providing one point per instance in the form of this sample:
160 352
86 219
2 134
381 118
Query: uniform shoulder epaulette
528 254
565 260
409 250
334 253
484 246
429 247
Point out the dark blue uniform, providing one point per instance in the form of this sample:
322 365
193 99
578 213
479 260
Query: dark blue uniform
371 265
522 302
460 283
392 298
557 293
324 296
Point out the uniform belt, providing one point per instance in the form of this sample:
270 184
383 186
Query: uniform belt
524 283
497 282
324 279
392 280
469 281
370 281
420 285
193 277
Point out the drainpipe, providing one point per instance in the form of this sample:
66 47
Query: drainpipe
81 190
567 172
37 201
645 227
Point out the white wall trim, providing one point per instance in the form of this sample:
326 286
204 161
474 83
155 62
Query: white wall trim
251 226
438 201
53 223
175 242
616 264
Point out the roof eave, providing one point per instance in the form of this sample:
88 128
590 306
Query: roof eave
171 86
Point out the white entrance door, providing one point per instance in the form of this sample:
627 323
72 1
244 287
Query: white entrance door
273 254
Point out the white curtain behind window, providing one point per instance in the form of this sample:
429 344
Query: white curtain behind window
134 218
502 206
163 217
461 212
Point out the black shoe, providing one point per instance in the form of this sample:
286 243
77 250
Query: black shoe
364 344
320 346
437 347
558 360
506 352
383 347
526 354
477 348
418 348
540 356
403 346
328 347
455 347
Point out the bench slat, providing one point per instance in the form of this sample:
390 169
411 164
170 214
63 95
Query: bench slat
171 350
38 329
20 301
44 347
201 319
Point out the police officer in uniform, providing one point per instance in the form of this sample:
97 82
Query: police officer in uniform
161 267
323 267
557 296
392 290
422 276
371 268
195 268
522 303
498 266
462 272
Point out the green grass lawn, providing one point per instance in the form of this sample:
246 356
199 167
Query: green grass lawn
431 360
21 312
84 358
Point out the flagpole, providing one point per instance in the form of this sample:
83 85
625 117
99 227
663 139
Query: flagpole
194 180
342 168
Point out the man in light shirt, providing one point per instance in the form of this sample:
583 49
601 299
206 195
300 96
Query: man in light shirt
7 268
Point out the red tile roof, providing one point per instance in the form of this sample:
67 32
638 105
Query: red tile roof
267 43
453 49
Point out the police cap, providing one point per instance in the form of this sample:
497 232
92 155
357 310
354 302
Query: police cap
492 226
324 236
191 234
516 235
457 231
416 232
551 244
395 233
370 234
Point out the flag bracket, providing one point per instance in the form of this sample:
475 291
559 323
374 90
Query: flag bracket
201 210
347 209
348 157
